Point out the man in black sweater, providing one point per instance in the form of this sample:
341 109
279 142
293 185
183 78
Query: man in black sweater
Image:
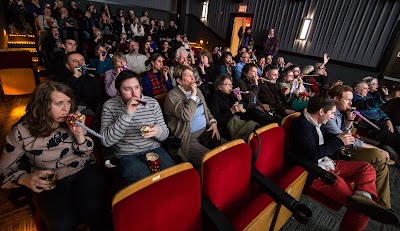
86 87
271 94
248 83
309 141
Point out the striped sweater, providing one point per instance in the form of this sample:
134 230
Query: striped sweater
121 129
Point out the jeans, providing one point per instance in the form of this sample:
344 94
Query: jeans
134 167
75 199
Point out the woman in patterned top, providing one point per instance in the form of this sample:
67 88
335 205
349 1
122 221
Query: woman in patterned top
53 147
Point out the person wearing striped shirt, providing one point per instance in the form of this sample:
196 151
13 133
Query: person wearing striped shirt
121 121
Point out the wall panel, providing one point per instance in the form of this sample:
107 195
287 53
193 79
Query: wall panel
167 5
353 31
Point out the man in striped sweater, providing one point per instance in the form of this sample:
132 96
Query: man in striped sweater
122 119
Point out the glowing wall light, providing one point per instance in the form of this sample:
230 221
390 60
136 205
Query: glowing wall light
204 11
305 28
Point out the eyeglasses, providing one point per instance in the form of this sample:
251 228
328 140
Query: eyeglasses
227 84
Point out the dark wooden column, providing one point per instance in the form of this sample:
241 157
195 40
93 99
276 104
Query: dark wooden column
181 15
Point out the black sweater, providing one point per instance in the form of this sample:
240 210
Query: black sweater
220 105
86 89
304 142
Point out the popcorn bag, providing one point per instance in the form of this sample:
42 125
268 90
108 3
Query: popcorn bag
153 161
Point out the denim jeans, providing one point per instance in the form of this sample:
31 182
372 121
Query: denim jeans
134 167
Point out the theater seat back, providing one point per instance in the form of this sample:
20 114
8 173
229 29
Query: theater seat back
229 185
270 160
166 200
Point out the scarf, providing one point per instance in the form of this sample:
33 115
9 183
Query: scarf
157 85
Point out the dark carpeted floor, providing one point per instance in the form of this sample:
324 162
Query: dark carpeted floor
327 219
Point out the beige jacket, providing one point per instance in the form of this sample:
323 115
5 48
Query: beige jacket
180 111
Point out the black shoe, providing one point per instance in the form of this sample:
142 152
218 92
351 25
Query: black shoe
363 204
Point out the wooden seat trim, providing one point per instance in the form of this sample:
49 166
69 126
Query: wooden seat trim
137 186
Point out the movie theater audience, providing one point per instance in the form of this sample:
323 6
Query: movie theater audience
209 99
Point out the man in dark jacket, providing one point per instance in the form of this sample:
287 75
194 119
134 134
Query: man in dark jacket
309 141
271 94
86 87
248 83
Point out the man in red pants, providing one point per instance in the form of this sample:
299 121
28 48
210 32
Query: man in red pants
310 142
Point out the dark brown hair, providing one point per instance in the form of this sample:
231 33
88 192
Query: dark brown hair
38 110
246 69
208 55
220 80
124 75
338 91
321 101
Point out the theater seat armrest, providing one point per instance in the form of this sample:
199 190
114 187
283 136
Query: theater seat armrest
219 219
326 177
370 141
301 213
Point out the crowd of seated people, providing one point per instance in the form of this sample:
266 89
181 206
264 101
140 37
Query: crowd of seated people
134 60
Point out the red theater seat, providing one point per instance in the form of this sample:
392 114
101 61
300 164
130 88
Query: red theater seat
270 162
226 182
168 200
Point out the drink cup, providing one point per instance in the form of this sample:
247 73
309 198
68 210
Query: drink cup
52 179
240 106
283 89
144 129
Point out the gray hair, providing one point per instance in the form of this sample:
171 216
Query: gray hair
369 80
179 51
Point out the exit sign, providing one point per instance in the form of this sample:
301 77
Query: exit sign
242 8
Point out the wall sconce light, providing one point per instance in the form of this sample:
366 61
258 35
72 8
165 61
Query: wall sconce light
305 28
201 42
204 11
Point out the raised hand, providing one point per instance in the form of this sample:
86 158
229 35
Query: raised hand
132 104
193 87
326 58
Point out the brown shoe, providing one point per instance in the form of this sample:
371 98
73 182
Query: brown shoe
363 204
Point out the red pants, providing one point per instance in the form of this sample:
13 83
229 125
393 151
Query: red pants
363 175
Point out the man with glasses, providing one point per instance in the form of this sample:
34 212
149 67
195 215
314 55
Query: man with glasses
237 70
